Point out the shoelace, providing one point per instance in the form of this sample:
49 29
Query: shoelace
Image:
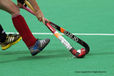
10 38
42 42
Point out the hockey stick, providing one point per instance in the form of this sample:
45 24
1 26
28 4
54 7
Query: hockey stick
71 36
80 53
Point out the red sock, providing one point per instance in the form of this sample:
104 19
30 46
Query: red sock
24 31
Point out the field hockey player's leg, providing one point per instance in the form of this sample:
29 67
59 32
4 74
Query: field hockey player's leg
6 40
22 27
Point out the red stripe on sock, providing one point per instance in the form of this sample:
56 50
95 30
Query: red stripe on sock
23 29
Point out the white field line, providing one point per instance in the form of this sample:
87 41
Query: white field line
98 34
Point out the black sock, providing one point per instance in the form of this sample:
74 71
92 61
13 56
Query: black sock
3 35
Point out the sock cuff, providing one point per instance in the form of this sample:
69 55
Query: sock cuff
16 15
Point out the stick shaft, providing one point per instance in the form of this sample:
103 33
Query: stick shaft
29 5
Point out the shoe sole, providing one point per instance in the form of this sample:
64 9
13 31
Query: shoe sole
9 45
